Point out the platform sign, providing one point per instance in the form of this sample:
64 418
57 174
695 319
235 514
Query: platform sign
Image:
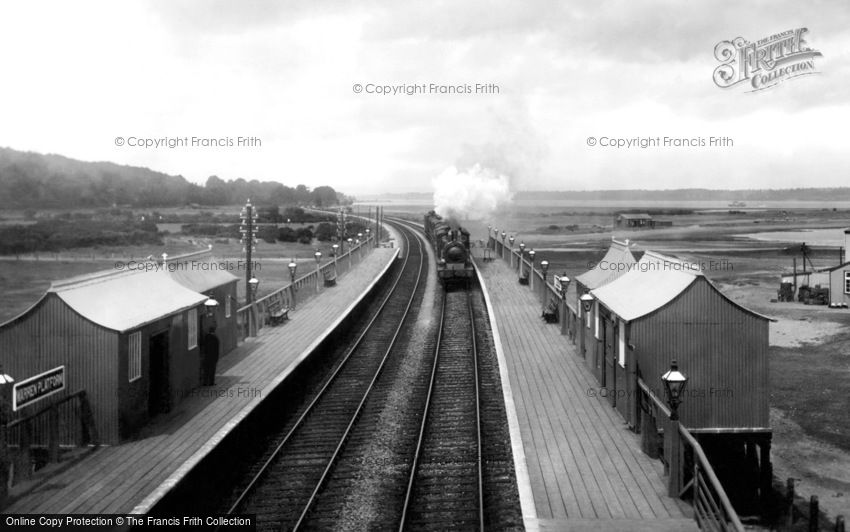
36 388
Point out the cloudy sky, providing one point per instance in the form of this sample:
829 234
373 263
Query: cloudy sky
79 74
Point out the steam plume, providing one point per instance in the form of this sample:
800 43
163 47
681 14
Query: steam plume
474 194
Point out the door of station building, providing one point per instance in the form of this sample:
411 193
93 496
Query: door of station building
159 390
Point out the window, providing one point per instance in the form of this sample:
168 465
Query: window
227 300
621 336
134 356
847 282
193 328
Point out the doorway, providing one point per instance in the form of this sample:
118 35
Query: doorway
159 390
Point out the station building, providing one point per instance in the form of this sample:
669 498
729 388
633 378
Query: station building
131 340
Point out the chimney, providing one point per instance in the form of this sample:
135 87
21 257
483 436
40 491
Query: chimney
847 245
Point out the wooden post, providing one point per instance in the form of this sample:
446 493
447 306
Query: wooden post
789 500
24 461
674 485
839 523
90 435
814 514
765 471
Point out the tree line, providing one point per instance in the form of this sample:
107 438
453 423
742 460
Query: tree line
34 180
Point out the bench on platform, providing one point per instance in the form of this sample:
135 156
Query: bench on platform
550 311
523 279
277 313
330 279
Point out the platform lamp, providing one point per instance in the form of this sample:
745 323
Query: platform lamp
521 257
334 253
531 255
544 267
502 254
367 234
565 284
674 384
318 255
489 227
6 390
511 240
359 246
350 244
292 269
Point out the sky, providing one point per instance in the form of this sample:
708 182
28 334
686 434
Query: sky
79 75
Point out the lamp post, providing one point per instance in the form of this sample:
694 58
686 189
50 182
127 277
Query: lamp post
511 240
359 246
6 390
489 227
502 254
586 305
292 268
350 243
334 252
544 267
318 255
674 384
249 241
531 254
367 233
564 281
521 257
251 296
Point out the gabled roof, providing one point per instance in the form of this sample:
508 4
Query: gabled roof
652 284
638 216
616 262
125 300
201 275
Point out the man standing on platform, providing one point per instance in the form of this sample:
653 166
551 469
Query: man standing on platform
210 358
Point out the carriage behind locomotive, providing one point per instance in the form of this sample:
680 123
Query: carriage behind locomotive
452 249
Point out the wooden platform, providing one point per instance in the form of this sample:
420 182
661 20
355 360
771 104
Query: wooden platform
133 476
583 468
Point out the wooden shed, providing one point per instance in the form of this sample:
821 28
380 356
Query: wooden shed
129 339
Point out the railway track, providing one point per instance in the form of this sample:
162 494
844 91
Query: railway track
445 489
286 486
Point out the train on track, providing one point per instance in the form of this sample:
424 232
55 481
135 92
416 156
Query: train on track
452 248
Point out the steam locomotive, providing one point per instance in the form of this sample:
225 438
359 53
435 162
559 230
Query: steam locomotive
451 246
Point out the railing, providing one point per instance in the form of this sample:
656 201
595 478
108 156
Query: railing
251 318
60 423
712 508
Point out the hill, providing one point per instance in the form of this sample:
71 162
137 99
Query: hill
34 180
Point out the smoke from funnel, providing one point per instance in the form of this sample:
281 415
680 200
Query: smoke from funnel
474 194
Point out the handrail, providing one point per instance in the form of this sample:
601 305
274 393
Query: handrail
702 468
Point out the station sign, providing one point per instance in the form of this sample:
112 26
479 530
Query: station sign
36 388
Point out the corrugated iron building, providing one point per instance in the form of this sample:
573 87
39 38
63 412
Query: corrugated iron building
664 310
129 339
